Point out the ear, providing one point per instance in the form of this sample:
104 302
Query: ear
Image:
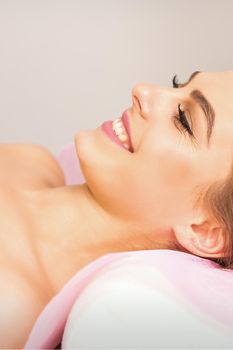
202 237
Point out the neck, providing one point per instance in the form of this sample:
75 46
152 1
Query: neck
71 229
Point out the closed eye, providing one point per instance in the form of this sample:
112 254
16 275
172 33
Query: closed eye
181 117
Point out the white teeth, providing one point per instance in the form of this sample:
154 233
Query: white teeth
120 131
123 137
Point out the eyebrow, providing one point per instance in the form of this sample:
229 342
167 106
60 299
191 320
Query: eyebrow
205 105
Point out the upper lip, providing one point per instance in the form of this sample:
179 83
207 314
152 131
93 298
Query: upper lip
125 121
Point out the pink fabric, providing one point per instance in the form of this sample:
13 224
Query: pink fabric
69 162
48 329
199 281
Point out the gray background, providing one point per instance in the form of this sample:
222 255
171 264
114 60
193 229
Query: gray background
67 65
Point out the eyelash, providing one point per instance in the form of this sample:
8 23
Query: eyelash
181 118
175 82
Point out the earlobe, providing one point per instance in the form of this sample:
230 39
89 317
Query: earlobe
205 238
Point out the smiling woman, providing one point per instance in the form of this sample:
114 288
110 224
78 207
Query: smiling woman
160 177
182 154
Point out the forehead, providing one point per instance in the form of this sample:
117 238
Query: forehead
217 87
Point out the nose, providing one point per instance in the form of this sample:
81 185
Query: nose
150 99
143 95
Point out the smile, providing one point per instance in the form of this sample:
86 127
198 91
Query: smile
120 131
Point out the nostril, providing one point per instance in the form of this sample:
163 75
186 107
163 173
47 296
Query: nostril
137 103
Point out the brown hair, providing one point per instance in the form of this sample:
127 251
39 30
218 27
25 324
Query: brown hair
218 198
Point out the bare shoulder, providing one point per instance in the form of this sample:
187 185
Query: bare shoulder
34 164
23 148
31 151
20 305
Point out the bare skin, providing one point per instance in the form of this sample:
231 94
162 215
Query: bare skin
24 290
50 231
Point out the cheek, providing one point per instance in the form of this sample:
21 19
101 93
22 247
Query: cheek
175 169
167 176
171 159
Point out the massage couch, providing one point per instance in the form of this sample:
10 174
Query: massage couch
159 299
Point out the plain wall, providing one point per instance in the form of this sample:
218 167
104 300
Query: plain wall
68 65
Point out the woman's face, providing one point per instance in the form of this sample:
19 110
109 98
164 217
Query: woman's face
156 185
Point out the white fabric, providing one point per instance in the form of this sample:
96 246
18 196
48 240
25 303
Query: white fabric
135 306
